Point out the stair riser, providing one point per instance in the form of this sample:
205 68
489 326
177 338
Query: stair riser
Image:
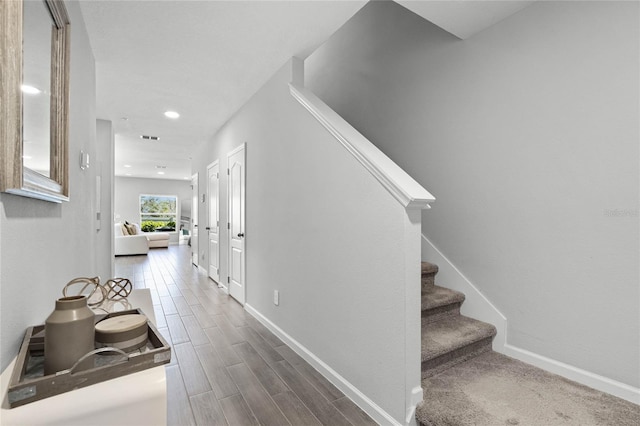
428 280
437 365
436 314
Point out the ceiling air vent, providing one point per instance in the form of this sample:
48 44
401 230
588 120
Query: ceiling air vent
161 167
150 138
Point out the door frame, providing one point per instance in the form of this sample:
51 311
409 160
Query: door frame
242 147
195 236
211 166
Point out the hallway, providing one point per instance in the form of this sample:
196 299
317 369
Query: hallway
226 368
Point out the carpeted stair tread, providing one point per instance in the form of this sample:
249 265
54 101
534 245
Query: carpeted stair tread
452 333
436 296
429 268
493 389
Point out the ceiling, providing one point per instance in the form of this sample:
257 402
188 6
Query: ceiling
465 18
205 59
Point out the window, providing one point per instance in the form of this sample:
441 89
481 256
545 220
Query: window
158 212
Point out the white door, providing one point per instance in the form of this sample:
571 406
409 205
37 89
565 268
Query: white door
235 201
213 225
194 219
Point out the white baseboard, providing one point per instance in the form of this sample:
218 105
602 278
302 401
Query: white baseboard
479 307
570 372
476 305
360 399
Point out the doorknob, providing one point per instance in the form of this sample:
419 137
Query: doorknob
241 235
207 228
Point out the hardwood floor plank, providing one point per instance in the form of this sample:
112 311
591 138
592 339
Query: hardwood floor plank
294 410
178 407
222 346
237 411
167 336
235 313
208 305
230 332
176 328
264 332
256 397
325 387
204 318
207 411
216 372
266 376
161 322
315 402
193 374
162 289
189 296
352 412
168 306
265 350
182 306
174 291
196 334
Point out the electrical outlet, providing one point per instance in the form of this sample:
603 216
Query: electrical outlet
276 297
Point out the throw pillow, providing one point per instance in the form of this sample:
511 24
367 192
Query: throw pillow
130 229
125 231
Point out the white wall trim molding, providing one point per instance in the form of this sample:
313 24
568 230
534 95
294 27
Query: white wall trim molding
403 187
584 377
477 306
360 399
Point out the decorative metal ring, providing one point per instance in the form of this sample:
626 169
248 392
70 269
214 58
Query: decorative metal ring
118 288
95 297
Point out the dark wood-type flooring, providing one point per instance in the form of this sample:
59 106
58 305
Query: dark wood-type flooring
226 367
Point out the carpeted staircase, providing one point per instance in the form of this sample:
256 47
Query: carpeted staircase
466 383
448 338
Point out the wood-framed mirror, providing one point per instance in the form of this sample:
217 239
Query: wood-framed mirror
34 93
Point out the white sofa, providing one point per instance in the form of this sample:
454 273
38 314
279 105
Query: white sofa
137 244
129 244
157 239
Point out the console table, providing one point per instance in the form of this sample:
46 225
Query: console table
139 398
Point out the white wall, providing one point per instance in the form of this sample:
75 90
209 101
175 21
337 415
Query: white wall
44 245
105 150
527 134
127 191
310 212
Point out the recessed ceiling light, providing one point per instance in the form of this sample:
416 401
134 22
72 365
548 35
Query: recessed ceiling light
127 165
171 114
27 157
186 178
30 89
127 174
160 173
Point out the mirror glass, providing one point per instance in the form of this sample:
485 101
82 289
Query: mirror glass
36 86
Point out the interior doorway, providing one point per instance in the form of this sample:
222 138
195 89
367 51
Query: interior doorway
213 220
194 219
236 205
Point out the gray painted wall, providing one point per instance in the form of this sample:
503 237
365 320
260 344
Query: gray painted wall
310 208
44 245
127 191
527 134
